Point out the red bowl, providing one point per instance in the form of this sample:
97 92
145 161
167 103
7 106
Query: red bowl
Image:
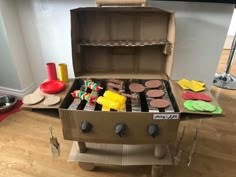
52 86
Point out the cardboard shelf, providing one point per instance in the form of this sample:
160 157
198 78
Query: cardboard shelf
125 43
116 154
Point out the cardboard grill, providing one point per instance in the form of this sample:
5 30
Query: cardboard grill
133 45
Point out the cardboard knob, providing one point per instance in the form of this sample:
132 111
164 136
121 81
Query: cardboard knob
153 130
85 127
120 129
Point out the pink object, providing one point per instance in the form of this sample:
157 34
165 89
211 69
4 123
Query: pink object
51 71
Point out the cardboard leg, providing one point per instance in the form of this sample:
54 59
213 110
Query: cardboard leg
160 151
82 147
157 171
87 166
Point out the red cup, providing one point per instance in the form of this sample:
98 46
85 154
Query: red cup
51 71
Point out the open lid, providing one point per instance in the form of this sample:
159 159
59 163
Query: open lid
124 42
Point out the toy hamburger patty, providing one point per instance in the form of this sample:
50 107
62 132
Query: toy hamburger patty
159 103
137 88
154 93
153 84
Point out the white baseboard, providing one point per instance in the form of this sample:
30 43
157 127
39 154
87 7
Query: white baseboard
19 93
228 42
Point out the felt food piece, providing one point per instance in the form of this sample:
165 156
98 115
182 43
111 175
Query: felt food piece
195 96
197 88
197 82
137 88
202 96
89 97
114 96
182 83
206 106
105 108
193 85
131 96
201 106
184 96
218 110
107 103
188 105
51 100
113 85
32 99
153 84
155 93
197 106
159 103
190 95
92 85
116 81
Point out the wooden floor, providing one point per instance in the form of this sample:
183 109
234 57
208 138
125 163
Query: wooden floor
25 152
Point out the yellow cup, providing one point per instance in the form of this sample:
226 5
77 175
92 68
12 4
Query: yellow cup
63 73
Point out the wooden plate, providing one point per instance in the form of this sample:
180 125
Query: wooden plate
32 99
51 100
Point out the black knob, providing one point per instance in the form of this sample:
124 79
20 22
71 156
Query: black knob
120 129
85 127
153 130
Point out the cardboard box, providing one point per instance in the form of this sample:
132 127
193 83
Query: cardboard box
123 43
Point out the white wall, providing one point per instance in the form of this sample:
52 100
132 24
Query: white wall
201 32
8 75
46 28
16 44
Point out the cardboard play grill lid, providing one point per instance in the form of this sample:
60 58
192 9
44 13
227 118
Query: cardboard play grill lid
122 42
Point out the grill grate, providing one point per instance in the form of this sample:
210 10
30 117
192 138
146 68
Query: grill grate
141 104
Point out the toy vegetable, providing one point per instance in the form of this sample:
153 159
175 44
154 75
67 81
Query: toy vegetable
114 96
89 97
112 100
107 103
92 85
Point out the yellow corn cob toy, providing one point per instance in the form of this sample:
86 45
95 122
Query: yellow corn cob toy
105 108
114 96
107 103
